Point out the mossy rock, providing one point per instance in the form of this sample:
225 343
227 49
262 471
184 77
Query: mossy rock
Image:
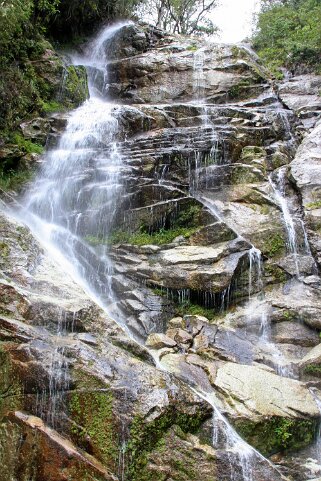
274 274
145 437
74 86
246 175
11 392
313 370
92 420
274 245
252 152
278 434
174 455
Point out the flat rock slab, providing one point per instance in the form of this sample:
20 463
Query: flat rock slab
258 392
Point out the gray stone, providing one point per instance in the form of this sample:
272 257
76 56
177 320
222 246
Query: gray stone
289 332
159 341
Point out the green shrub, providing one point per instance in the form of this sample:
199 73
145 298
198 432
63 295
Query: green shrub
288 35
27 146
163 236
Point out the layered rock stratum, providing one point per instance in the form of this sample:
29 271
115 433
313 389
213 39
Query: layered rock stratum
214 331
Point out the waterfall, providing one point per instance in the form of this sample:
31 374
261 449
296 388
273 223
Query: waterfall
74 205
199 77
256 271
241 455
278 186
294 227
317 444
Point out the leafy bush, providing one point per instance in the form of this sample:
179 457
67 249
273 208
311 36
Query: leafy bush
163 236
289 35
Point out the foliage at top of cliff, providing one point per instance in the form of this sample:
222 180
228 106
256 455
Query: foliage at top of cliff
185 17
288 34
78 18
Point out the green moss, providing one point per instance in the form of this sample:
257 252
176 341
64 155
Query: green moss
10 386
184 223
145 437
274 245
192 48
313 205
92 414
275 272
4 250
161 237
314 369
195 310
288 315
27 146
278 434
51 107
240 89
14 180
75 88
159 292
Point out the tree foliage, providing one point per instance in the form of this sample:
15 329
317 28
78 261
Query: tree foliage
289 34
78 18
179 16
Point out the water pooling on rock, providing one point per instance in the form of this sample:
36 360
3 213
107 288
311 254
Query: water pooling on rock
120 179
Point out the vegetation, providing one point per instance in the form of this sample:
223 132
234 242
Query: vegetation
144 437
314 369
274 245
14 179
288 35
314 205
278 434
179 16
27 146
163 236
194 310
10 387
186 223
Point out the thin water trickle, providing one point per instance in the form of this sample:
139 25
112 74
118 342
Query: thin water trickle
199 76
278 185
244 459
258 307
294 225
256 271
317 444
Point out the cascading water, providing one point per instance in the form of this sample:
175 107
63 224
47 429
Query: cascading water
317 445
257 305
294 227
74 205
199 77
278 186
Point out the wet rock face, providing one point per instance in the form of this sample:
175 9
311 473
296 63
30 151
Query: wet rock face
86 386
302 95
305 169
206 146
183 71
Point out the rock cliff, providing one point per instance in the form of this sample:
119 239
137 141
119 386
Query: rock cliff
208 359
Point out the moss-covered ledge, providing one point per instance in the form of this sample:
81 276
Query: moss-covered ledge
11 391
146 437
277 434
